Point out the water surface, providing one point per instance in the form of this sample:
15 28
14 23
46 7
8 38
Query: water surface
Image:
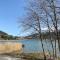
33 45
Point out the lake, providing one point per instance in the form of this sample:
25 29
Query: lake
33 45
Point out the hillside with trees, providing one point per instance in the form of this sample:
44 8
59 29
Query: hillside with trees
44 35
5 36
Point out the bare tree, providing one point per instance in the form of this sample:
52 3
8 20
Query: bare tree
34 22
52 6
43 11
52 14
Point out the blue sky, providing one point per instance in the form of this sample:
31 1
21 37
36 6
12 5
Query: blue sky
10 10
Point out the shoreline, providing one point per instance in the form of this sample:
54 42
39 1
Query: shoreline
24 56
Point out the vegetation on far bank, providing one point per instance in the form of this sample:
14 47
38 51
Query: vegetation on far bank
44 35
